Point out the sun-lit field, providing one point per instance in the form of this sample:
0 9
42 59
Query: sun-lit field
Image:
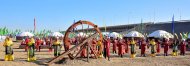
45 56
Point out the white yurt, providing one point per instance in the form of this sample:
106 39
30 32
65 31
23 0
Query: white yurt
81 34
2 38
161 34
114 35
56 34
21 35
134 34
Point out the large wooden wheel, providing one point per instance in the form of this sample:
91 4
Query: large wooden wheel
73 34
74 43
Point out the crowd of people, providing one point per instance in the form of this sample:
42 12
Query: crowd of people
122 46
107 45
128 46
30 44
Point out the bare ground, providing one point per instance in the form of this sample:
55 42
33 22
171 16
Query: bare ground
45 56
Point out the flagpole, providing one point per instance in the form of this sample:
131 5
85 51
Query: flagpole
173 26
141 25
34 24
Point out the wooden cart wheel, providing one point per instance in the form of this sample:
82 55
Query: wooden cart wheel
72 36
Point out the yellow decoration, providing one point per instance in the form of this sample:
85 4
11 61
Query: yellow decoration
133 55
56 42
99 43
32 41
133 42
153 55
174 53
8 42
9 57
152 42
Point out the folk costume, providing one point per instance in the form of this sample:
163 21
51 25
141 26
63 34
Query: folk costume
8 49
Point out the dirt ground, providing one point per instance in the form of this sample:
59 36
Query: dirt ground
45 56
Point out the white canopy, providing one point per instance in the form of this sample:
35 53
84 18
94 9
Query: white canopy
134 34
114 35
56 34
161 34
25 34
81 34
2 38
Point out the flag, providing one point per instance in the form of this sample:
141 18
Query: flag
34 25
173 26
176 36
4 30
1 31
181 35
141 25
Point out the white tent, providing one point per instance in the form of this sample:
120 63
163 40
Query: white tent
25 34
161 34
81 34
134 34
56 34
114 35
2 38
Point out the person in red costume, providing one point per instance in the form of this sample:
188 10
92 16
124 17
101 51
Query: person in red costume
84 49
94 44
26 41
143 47
121 47
183 47
83 53
38 44
50 43
127 42
158 45
107 47
115 43
166 46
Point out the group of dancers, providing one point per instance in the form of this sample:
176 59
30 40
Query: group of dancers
122 46
119 46
31 44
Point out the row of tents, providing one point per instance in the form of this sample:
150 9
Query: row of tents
156 34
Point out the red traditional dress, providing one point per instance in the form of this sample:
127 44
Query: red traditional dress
182 48
107 48
94 43
26 41
83 53
158 47
143 47
166 47
127 46
38 43
121 48
115 42
50 44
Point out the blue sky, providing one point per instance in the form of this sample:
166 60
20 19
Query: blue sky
59 14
